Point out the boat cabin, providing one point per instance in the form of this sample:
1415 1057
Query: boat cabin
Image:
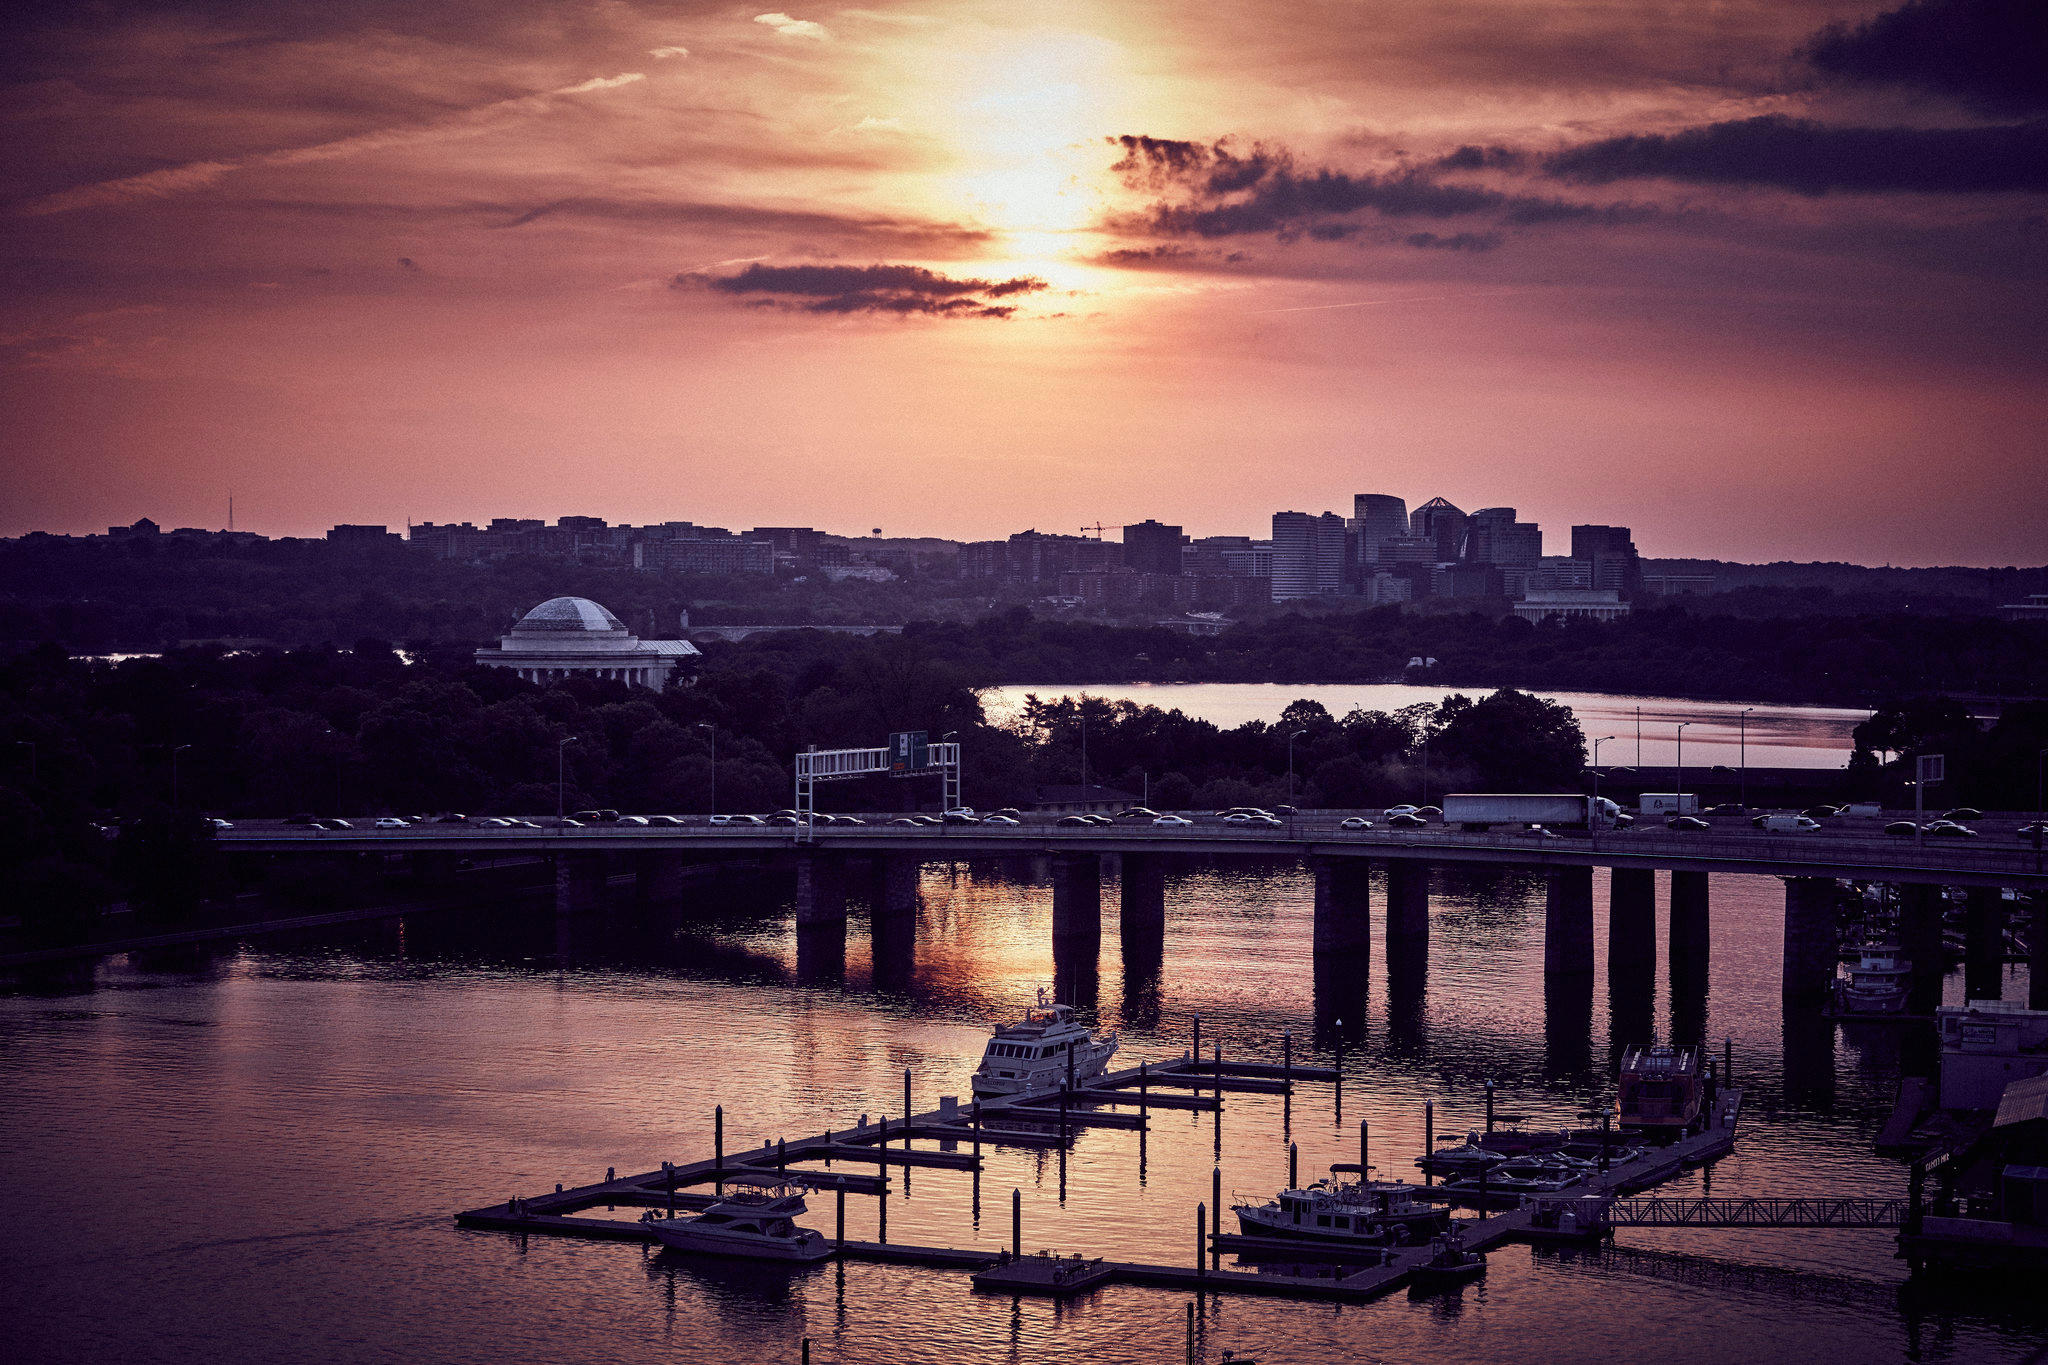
1662 1088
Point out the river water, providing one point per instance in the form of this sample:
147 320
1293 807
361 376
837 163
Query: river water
253 1153
1771 737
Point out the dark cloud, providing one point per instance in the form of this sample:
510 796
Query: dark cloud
899 289
1811 158
1456 241
1472 158
1219 191
1991 55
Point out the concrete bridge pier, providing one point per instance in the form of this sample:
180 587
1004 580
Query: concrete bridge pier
1343 898
1631 926
579 883
1142 915
1568 923
820 889
1689 931
1920 907
1984 944
894 891
1810 939
1407 901
1076 900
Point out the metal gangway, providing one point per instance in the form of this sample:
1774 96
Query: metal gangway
1754 1213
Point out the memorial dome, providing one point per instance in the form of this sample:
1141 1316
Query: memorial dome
561 614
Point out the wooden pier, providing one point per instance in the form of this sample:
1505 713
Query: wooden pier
966 1128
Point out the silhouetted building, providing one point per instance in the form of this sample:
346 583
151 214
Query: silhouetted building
1308 555
1494 536
1150 547
1612 554
1377 518
574 637
1599 604
361 537
1443 523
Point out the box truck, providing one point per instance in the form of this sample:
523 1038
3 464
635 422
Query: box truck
1483 810
1660 804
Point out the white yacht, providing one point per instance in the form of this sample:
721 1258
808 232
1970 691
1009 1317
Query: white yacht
1364 1211
752 1222
1879 982
1031 1054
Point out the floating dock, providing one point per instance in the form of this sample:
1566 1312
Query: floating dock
967 1128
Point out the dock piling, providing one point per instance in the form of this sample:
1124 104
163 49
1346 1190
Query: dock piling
718 1149
974 1116
1428 1138
907 1110
1016 1222
1201 1240
1196 1054
781 1155
807 1351
839 1223
1489 1106
1191 1334
882 1203
1287 1055
1293 1165
1216 1197
1338 1091
1363 1168
1143 1079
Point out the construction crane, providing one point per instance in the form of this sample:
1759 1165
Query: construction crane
1098 528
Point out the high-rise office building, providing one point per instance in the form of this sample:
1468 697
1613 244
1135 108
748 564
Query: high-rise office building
1494 536
1380 517
1308 555
1442 522
1152 548
1612 553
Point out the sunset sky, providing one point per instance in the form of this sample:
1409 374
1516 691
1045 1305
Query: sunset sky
1762 279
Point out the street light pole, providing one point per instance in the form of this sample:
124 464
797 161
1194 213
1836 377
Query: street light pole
1680 810
1742 762
706 725
1425 772
1593 816
561 808
1290 764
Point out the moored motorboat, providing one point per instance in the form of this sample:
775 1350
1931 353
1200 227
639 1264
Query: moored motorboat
1449 1264
753 1222
1662 1089
1361 1212
1033 1053
1879 983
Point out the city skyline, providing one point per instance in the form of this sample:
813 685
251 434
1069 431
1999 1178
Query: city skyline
1761 281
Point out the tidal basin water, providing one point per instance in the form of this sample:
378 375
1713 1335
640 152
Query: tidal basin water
1771 737
253 1153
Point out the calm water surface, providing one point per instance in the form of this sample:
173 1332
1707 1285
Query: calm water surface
254 1154
1772 737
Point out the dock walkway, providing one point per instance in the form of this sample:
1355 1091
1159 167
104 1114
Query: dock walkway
884 1144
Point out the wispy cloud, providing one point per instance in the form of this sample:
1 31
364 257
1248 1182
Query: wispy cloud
199 175
790 27
668 52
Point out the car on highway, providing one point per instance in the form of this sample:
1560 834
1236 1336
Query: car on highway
1012 812
962 817
999 820
2037 830
1393 811
851 820
453 819
1963 813
1540 832
219 823
1430 812
1404 819
667 821
493 822
1175 820
302 819
568 822
1686 822
1726 808
333 822
1073 821
1354 822
1239 818
392 822
1820 812
1902 829
1949 829
928 820
907 820
1137 813
781 820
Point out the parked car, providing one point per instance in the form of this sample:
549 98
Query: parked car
1686 822
1172 820
1902 829
392 822
1354 822
1406 820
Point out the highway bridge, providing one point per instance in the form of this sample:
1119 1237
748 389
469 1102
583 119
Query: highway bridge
1341 862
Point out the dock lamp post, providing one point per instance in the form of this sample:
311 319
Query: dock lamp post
1290 764
1593 816
1742 759
707 725
1680 793
561 810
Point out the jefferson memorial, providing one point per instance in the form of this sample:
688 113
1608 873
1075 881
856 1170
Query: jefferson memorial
570 636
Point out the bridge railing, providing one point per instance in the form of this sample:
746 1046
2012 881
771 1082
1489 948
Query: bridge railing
1757 1213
